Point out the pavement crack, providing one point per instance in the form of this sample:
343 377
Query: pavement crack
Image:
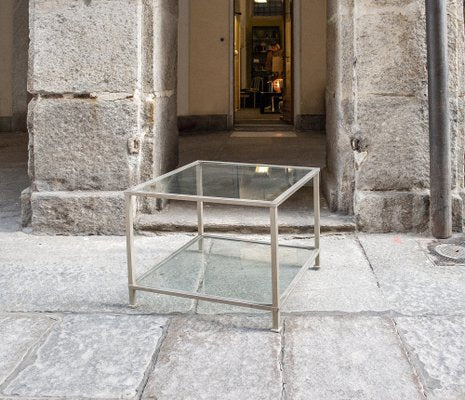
30 355
153 362
389 313
357 239
416 370
281 361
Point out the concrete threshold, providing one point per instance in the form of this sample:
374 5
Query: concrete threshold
260 126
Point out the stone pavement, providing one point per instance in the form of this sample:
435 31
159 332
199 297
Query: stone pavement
378 320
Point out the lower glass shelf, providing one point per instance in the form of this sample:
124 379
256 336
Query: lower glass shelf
226 268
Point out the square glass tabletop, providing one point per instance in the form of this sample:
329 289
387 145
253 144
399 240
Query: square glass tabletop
229 183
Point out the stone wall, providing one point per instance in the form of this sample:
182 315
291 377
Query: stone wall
378 146
102 117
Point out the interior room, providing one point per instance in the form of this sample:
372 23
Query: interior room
262 61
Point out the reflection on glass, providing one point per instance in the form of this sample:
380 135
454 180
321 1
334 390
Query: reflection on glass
235 181
227 268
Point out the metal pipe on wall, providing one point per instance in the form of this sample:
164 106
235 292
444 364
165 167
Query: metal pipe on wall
439 123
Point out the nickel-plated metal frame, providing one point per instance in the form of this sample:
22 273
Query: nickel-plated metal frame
278 300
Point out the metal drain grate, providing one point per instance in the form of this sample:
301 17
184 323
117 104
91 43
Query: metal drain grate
451 251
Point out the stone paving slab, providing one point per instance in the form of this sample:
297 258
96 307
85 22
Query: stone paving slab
91 356
344 283
356 355
410 282
80 274
437 347
19 334
225 358
341 358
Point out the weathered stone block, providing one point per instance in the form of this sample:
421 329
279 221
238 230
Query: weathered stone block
457 132
344 283
341 55
438 349
392 211
165 134
394 146
346 358
84 144
338 177
26 211
455 11
338 7
225 353
91 356
411 283
84 46
19 333
457 211
73 213
391 47
165 36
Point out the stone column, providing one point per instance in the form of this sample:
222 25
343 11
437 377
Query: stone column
339 175
93 114
165 62
387 109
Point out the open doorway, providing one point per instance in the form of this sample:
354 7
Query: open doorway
263 62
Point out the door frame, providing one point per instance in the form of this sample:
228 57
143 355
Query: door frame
295 81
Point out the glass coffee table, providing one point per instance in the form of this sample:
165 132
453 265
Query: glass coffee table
222 269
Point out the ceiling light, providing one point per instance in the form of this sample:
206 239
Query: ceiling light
261 169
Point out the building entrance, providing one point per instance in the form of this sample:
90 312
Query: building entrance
263 57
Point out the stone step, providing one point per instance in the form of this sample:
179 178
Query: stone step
266 126
182 217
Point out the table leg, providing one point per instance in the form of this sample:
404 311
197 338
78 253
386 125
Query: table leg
200 229
275 269
200 222
130 201
316 215
200 226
